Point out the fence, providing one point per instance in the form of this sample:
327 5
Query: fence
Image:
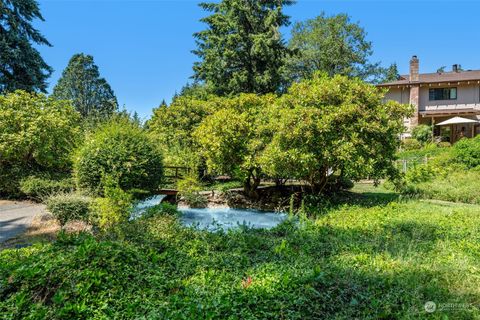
405 164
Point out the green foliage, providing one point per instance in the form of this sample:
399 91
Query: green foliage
113 210
451 173
22 67
409 144
242 51
123 151
423 133
172 126
232 138
37 134
454 185
224 186
467 152
81 83
162 209
369 261
333 45
196 90
69 207
391 73
335 125
39 188
417 151
444 144
189 189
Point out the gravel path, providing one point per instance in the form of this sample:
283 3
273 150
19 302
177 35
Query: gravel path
16 216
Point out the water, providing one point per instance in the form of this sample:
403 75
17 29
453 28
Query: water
143 205
216 218
226 218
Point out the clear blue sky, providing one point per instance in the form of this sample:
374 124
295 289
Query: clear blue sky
143 48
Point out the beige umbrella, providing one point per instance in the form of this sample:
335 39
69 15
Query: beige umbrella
456 120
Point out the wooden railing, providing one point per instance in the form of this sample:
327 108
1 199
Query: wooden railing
175 172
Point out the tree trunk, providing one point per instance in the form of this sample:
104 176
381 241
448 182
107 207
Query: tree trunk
251 184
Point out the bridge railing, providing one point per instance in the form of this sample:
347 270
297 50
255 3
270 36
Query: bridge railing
176 172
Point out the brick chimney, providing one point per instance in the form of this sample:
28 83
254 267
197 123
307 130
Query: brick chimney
414 90
414 68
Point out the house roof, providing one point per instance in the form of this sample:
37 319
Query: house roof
452 76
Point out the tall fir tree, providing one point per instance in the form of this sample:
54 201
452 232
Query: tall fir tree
242 49
21 66
81 83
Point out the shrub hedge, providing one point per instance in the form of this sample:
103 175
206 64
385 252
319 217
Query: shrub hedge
120 150
39 188
69 207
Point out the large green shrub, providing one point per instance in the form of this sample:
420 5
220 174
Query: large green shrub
422 133
467 152
69 206
37 135
122 151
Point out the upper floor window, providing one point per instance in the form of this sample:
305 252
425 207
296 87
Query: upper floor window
443 94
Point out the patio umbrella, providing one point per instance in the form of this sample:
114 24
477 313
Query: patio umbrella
456 120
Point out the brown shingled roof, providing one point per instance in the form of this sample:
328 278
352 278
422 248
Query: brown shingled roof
471 75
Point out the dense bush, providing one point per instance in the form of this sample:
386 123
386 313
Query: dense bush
39 188
37 135
411 144
69 207
422 133
123 151
467 152
112 210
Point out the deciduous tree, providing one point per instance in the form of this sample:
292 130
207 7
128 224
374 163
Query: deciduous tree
334 126
331 44
232 138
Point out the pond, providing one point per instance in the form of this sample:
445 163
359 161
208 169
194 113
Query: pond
217 218
227 218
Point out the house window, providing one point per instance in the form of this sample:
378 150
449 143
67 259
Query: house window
443 94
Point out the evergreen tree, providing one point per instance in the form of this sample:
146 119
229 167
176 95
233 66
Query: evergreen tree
81 83
21 66
242 49
391 73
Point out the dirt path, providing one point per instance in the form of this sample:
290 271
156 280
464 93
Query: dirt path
16 216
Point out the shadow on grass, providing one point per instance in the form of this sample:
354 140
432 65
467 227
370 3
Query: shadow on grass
365 196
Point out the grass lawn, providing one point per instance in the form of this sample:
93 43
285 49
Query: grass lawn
375 256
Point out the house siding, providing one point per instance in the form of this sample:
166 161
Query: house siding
466 95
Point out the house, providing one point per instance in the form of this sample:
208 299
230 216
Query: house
451 97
